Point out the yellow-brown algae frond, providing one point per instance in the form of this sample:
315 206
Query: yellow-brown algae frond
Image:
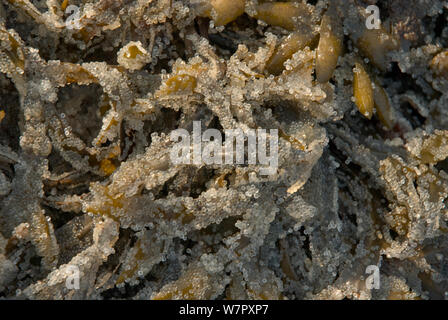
330 46
269 291
147 251
12 48
263 285
107 167
383 108
183 79
74 73
236 289
398 219
29 8
64 5
430 285
194 284
399 290
109 204
224 11
133 56
288 15
439 64
362 91
42 236
294 142
183 82
84 34
375 44
108 163
394 169
133 263
435 147
291 44
101 138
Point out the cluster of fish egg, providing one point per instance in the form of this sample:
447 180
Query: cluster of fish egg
86 183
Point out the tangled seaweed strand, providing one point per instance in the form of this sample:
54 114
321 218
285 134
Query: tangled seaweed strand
86 178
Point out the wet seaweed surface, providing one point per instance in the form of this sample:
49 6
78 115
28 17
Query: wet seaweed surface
90 91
